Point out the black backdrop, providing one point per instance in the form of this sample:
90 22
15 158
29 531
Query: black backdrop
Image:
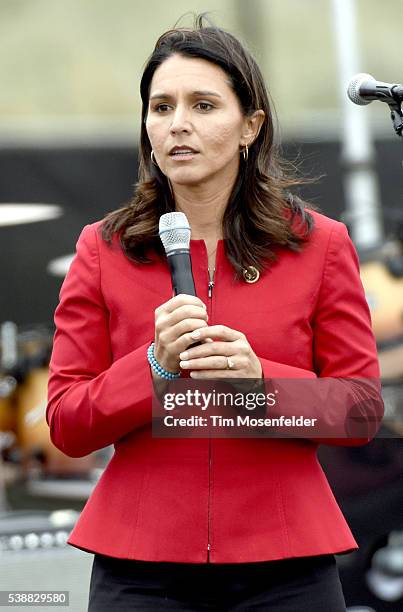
87 182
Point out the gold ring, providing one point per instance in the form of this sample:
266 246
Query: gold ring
230 363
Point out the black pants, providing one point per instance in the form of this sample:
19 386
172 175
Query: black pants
305 584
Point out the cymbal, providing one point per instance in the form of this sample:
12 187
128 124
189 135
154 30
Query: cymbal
60 266
16 214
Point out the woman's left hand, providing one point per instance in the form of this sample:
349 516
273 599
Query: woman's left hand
224 353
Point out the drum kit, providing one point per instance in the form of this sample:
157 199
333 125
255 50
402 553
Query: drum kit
25 447
382 277
23 394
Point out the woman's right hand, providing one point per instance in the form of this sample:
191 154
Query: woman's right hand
175 320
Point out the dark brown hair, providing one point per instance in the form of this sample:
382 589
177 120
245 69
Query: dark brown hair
261 212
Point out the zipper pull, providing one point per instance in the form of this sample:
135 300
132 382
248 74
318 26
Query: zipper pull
210 288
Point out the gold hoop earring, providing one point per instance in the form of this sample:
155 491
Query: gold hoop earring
153 159
245 153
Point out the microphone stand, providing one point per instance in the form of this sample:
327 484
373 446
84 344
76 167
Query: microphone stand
396 114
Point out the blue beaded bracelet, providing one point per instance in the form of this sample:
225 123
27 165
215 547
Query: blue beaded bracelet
155 366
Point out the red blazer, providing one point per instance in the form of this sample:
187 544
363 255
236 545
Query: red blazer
198 500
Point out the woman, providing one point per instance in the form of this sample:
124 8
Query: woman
196 524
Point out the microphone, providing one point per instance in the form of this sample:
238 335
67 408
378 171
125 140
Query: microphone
174 231
364 89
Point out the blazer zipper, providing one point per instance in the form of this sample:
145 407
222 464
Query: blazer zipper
209 308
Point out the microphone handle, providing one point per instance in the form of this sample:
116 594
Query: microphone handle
182 276
181 272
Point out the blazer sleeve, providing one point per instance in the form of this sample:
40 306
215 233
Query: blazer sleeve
344 352
92 400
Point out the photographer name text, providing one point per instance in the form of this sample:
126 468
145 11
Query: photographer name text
217 420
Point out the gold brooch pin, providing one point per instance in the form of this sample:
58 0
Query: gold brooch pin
251 274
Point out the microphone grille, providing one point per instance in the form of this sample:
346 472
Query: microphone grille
174 231
353 89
